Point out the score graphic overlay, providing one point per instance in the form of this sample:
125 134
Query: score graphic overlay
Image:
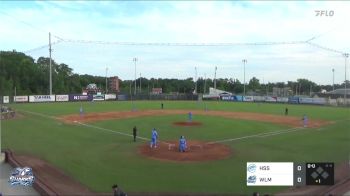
289 174
319 173
269 173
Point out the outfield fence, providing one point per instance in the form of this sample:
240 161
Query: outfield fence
174 96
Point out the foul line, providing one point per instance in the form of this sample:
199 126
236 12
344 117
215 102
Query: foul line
117 132
40 114
258 135
91 126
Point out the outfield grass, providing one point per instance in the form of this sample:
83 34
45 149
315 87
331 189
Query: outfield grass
99 159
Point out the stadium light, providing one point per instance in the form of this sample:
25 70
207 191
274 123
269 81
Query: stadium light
244 62
135 59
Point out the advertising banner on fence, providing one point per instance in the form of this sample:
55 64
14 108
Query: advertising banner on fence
248 98
270 99
282 99
62 98
239 98
6 99
229 98
317 101
232 98
20 99
98 97
79 97
110 96
122 97
41 98
293 99
259 98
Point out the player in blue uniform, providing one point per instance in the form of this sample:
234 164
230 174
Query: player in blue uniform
182 144
305 120
154 138
81 111
190 117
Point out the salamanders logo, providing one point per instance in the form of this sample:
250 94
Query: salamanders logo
22 176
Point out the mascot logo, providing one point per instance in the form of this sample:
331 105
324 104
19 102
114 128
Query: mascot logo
22 176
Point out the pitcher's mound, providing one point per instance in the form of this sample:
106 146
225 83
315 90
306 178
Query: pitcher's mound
193 123
196 151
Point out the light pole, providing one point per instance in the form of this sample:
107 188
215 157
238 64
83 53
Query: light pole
215 78
50 51
135 59
195 88
333 78
346 55
244 62
140 83
106 80
205 83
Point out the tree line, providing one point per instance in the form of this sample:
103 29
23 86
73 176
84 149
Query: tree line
29 76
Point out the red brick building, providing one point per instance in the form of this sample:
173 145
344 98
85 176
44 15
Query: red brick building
113 84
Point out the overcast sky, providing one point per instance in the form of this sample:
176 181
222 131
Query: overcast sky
25 25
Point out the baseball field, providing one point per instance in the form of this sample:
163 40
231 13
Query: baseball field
97 149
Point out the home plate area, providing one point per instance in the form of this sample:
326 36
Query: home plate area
196 151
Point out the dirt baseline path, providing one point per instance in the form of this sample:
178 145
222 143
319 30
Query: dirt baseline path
276 119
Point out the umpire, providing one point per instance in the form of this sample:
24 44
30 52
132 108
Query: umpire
134 133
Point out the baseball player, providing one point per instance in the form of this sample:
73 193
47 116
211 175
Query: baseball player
182 144
190 117
117 191
154 138
81 111
305 120
134 133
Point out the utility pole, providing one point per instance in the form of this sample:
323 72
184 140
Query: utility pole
205 83
106 80
333 78
195 88
50 51
15 95
244 62
135 59
215 78
346 55
310 89
140 83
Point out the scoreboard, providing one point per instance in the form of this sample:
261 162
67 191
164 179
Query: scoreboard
289 174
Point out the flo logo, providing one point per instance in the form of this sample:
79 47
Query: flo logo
22 176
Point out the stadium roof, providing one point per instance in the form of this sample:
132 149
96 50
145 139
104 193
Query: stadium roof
340 91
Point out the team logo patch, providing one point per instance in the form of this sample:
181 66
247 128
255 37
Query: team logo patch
251 179
252 168
22 176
